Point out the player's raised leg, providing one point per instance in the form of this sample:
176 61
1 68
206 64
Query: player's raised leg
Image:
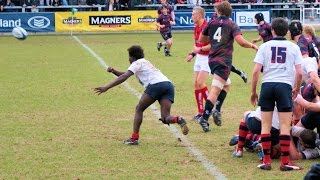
169 119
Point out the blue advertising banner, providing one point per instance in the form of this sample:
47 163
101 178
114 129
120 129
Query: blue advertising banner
31 22
244 18
184 21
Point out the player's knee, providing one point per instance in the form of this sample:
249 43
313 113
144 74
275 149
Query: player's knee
228 82
245 114
199 85
217 84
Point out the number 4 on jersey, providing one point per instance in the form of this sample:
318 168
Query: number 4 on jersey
217 35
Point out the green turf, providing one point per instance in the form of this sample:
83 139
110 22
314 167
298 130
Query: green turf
52 125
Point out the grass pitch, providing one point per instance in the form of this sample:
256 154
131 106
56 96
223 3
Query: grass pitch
52 125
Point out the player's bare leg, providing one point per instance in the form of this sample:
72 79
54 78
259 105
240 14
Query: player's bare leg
165 106
217 85
216 114
167 47
144 103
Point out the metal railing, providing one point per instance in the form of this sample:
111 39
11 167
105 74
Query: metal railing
288 10
54 8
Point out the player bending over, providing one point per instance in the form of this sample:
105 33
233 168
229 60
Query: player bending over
158 88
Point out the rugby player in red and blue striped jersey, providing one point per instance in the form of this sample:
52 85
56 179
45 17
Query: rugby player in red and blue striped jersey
170 10
264 29
221 33
241 73
164 22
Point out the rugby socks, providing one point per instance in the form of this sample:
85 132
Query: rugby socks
166 50
266 145
243 131
164 44
135 136
207 109
252 137
205 92
235 70
199 100
175 119
172 119
284 145
201 94
220 100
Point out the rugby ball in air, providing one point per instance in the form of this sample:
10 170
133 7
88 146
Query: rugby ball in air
19 33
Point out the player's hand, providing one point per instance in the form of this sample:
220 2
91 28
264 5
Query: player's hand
254 41
110 69
162 26
100 90
253 46
298 98
254 98
189 57
172 23
196 49
295 93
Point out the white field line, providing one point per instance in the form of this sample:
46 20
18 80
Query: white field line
211 168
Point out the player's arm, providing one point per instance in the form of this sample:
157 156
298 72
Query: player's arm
314 78
173 16
298 81
257 40
293 151
114 71
244 43
157 24
172 22
255 77
315 107
204 39
123 77
200 49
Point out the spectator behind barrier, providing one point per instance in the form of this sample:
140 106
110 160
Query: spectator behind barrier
116 5
33 3
2 3
82 3
10 4
73 2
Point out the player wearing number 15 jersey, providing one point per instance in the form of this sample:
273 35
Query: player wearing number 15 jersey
221 33
282 74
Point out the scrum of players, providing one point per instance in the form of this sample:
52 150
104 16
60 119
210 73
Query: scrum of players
284 123
302 138
305 125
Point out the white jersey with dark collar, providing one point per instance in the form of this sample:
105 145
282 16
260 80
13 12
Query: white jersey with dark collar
146 72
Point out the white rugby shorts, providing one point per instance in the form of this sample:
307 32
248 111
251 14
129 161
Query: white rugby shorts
201 63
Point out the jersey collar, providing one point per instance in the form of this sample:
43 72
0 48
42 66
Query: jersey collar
279 38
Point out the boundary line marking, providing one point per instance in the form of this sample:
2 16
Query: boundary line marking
211 168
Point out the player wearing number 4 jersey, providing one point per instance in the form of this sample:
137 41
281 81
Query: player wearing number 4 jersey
221 33
282 74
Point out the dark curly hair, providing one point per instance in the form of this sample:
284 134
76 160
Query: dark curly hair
136 52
